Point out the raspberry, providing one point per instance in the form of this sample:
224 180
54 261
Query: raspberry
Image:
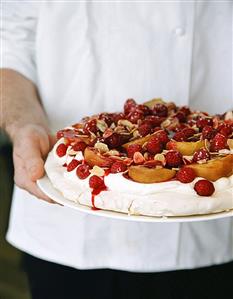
61 149
90 126
160 110
188 132
184 134
79 146
154 146
173 159
225 129
144 129
113 141
129 106
185 110
218 142
83 171
133 148
171 145
157 129
202 122
96 182
186 175
146 110
208 132
181 116
162 136
118 166
153 120
60 134
204 188
179 126
72 165
135 115
179 136
201 154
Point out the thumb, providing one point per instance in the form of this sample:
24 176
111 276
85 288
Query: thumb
33 156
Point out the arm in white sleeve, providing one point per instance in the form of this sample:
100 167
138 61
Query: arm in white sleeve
18 34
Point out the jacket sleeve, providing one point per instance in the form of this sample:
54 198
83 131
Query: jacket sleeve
18 35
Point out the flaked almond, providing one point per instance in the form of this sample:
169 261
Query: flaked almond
93 136
144 145
215 122
166 123
81 136
113 126
146 155
136 134
138 158
171 106
229 115
121 130
113 153
160 157
96 170
189 158
101 125
128 161
71 152
224 151
68 148
207 144
230 143
108 133
126 123
170 123
102 147
203 161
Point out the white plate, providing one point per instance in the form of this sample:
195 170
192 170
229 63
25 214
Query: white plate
46 186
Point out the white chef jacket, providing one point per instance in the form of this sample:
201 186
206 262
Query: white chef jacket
87 57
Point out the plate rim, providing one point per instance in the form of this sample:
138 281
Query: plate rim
46 186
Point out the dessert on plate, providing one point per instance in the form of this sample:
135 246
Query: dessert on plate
152 159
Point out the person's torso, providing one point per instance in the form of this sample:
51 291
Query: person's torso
91 57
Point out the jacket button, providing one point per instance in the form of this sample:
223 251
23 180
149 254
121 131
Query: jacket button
179 31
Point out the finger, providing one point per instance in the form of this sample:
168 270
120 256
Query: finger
31 160
30 152
35 190
35 169
22 180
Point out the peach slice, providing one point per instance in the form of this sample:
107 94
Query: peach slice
139 141
214 169
142 174
184 147
152 102
93 157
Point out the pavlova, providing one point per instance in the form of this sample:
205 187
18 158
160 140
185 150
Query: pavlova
152 159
